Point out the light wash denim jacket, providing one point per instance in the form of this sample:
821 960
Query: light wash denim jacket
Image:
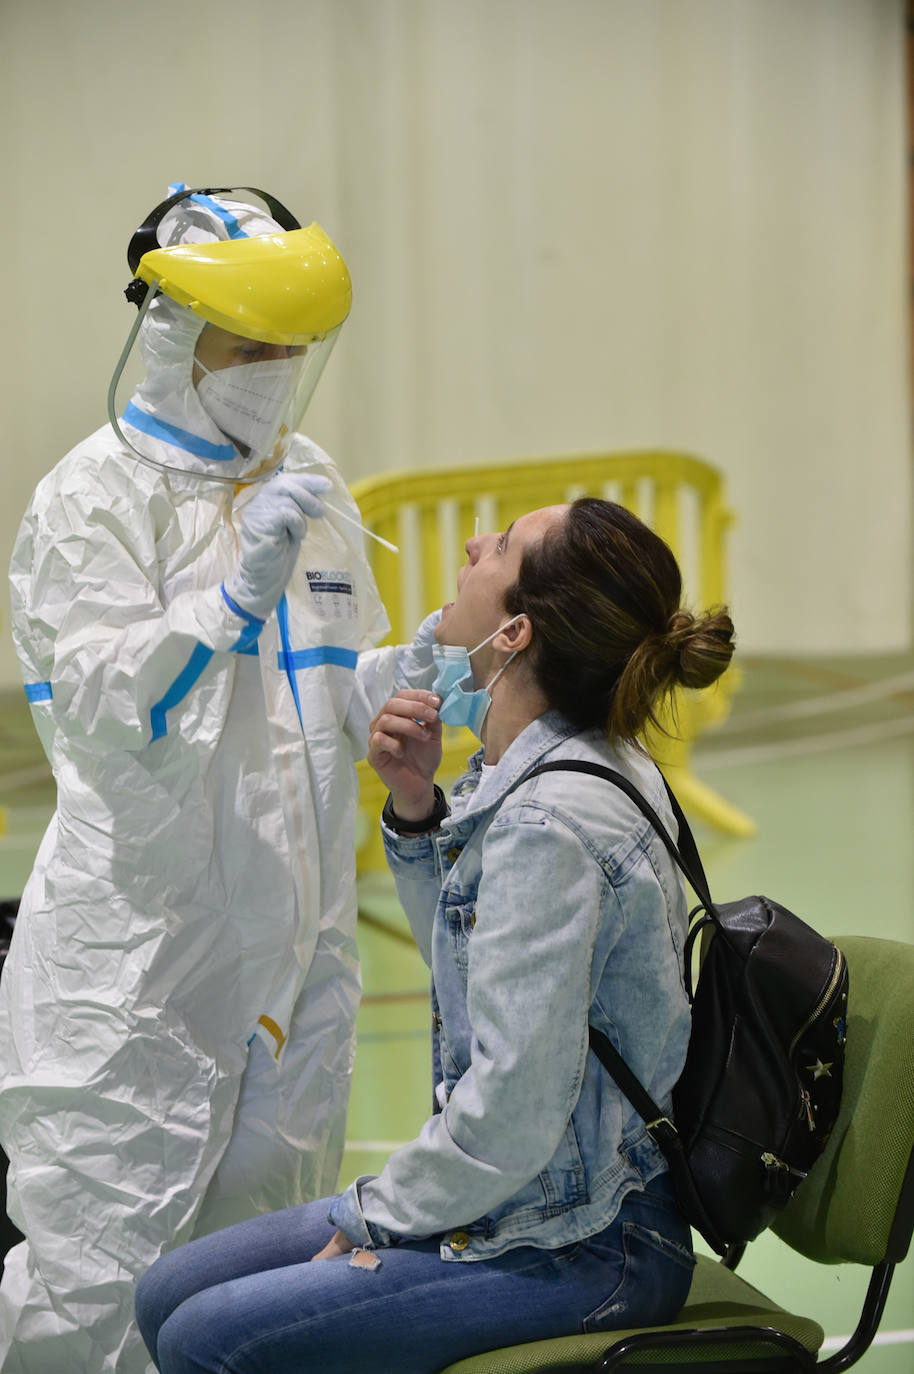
535 912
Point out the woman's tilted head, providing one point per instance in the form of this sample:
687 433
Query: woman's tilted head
610 637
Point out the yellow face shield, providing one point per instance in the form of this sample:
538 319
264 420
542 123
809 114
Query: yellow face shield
272 304
287 288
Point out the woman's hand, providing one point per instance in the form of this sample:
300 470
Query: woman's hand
337 1245
404 749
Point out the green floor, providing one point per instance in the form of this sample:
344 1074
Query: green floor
820 754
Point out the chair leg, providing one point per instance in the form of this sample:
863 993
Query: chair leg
868 1325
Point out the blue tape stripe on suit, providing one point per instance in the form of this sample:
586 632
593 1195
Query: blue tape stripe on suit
282 615
246 643
178 689
235 230
179 438
312 658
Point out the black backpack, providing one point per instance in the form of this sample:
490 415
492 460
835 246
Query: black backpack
761 1087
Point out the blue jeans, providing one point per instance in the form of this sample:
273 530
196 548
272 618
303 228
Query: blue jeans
246 1300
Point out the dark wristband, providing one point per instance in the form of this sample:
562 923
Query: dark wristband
430 822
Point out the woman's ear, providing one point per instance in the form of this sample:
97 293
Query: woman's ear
515 636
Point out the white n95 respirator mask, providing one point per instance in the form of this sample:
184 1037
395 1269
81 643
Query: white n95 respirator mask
251 401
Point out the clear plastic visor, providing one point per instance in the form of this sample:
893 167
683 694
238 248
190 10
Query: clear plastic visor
254 394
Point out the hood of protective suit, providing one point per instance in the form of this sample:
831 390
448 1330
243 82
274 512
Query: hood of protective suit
164 419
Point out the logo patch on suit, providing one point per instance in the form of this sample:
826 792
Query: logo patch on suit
332 593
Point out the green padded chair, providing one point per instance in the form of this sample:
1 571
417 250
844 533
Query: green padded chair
857 1206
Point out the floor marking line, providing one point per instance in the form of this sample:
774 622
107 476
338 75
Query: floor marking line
385 928
385 1145
809 744
840 700
880 1338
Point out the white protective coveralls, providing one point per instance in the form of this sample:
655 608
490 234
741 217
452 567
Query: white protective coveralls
177 1008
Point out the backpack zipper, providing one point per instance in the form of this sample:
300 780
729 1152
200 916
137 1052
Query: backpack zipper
823 1001
806 1108
771 1161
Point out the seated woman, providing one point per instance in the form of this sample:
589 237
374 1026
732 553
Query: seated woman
533 1203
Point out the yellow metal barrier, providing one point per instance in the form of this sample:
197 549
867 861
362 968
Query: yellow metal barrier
431 513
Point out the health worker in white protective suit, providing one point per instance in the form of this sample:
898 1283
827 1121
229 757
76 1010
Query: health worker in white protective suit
195 631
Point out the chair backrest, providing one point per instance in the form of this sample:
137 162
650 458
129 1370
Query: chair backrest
857 1205
429 515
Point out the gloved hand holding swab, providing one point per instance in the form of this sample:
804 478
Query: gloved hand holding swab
273 524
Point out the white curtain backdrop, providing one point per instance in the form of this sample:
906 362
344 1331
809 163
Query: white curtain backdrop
602 224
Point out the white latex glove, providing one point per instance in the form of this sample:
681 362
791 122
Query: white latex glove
272 527
415 665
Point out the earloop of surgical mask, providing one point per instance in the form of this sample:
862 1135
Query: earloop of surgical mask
458 706
249 401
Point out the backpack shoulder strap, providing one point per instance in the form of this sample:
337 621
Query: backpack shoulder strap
685 855
659 1127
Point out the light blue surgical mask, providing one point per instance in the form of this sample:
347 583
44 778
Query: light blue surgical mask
459 706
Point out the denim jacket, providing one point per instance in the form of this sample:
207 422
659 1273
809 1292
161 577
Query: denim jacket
536 912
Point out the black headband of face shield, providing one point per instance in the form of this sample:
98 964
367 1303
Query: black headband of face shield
146 237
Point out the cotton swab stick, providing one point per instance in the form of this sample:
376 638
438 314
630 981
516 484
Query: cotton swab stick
352 521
